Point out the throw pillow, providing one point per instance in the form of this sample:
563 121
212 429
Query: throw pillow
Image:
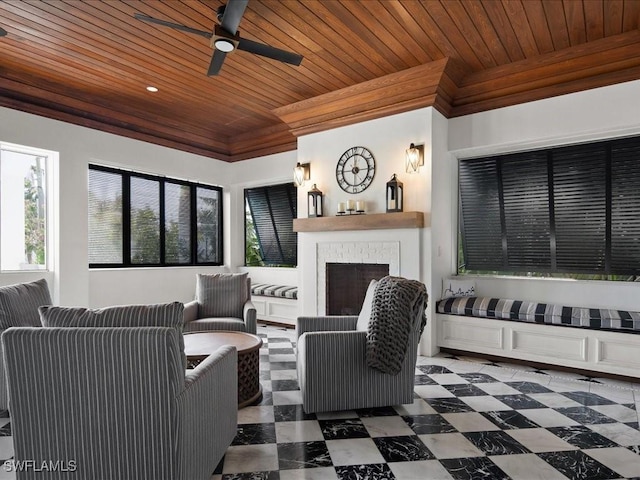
452 287
19 303
222 294
365 313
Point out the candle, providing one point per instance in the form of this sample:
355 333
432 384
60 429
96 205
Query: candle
351 205
340 207
360 206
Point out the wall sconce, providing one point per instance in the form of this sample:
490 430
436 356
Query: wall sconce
301 173
314 202
394 195
414 158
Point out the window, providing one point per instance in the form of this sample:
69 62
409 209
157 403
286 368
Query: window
23 208
142 220
567 211
269 236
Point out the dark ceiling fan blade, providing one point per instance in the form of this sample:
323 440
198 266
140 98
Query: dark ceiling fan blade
216 62
269 52
233 11
3 32
177 26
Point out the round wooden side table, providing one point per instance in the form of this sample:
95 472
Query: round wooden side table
202 344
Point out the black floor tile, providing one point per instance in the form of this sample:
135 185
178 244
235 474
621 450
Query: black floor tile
372 471
343 428
428 424
582 437
577 465
473 468
495 443
303 455
402 449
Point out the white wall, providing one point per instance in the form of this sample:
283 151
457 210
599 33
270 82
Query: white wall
585 116
71 281
387 138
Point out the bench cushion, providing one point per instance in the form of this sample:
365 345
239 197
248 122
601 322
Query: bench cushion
524 311
268 290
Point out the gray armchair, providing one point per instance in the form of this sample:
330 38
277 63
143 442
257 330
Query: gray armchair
223 302
19 308
333 370
115 402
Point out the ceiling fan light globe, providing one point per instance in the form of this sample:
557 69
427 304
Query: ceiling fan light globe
224 45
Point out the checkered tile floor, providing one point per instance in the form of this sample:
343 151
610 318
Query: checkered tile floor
470 419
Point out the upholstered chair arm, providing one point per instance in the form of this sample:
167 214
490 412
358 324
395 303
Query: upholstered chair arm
333 373
208 411
249 316
326 323
190 311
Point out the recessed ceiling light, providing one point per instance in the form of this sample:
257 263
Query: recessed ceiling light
151 88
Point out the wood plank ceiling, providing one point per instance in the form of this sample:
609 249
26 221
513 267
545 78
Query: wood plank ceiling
88 63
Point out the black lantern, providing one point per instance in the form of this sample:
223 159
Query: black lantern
394 195
314 202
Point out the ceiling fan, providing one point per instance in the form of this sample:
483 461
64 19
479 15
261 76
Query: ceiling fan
225 38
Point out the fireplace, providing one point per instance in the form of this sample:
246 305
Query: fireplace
385 254
346 285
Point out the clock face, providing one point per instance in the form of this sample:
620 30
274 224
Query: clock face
355 170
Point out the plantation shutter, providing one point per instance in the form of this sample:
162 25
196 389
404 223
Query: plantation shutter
579 186
273 209
571 209
526 211
480 215
625 206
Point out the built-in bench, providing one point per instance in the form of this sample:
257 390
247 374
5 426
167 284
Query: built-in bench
275 303
601 340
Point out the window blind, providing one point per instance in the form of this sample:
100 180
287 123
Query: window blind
572 209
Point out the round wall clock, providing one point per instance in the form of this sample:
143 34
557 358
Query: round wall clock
355 170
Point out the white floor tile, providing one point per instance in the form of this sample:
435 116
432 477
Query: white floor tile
354 451
618 412
485 403
390 426
469 422
546 417
526 467
296 432
287 398
251 458
620 459
497 388
448 378
540 440
432 391
425 469
258 414
418 407
450 445
554 400
284 375
618 432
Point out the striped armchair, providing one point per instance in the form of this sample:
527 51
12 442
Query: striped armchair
106 403
19 308
223 302
333 372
